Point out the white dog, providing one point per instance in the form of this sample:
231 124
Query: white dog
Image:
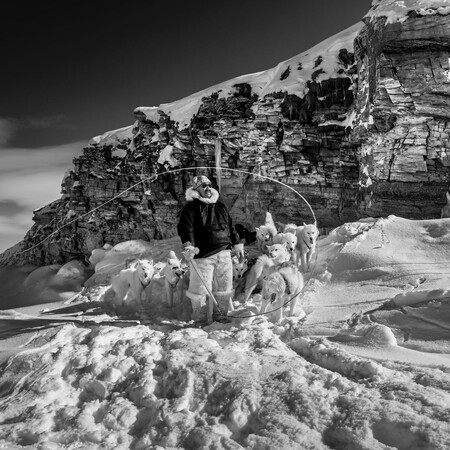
281 287
173 272
265 233
277 254
291 242
129 284
307 236
445 212
305 248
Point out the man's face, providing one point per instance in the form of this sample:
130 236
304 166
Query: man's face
205 190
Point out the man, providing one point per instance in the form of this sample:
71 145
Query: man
207 234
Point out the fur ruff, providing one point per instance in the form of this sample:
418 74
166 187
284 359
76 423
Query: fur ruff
192 194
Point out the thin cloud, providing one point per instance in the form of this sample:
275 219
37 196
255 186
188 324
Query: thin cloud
32 160
29 179
8 129
12 126
13 228
57 121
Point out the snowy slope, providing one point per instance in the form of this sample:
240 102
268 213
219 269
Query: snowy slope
368 367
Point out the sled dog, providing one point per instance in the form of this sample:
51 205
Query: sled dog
306 244
129 284
445 212
173 272
240 269
307 236
290 239
265 233
281 287
277 254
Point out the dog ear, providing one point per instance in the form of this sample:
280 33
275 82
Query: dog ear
172 255
157 275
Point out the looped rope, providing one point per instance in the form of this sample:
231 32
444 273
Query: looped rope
154 177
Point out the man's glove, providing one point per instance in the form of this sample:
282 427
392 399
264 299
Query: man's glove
238 250
189 251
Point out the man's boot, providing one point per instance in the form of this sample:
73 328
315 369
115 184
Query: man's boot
223 302
198 303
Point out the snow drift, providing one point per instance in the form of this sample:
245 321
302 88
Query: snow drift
368 367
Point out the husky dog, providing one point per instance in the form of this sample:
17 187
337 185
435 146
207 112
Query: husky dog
445 212
172 272
290 239
240 269
265 233
129 284
306 243
307 236
277 254
281 287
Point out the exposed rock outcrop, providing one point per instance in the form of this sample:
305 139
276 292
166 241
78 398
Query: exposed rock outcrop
358 126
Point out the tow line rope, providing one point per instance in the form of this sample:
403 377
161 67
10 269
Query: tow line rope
153 178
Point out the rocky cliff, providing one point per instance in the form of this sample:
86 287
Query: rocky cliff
358 126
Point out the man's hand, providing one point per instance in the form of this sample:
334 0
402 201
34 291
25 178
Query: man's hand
189 252
238 250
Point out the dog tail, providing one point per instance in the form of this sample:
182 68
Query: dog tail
270 224
261 263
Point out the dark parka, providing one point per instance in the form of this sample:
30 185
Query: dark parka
206 224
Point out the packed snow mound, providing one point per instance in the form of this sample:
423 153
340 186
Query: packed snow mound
31 285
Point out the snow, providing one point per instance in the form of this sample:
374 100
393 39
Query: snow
113 137
269 81
166 157
398 10
367 367
262 83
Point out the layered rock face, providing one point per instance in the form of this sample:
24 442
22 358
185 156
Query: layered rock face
356 127
403 106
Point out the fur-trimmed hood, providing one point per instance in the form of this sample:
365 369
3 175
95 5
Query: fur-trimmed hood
192 194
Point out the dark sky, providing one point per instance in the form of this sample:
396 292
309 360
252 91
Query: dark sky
75 69
72 70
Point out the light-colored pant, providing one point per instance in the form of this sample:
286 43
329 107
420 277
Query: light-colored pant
216 274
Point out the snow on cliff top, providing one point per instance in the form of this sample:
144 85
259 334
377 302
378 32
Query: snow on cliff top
301 67
398 10
269 81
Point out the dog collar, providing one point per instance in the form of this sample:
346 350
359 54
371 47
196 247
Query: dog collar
287 290
174 284
307 244
146 284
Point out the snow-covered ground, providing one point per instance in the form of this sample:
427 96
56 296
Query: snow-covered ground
368 367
